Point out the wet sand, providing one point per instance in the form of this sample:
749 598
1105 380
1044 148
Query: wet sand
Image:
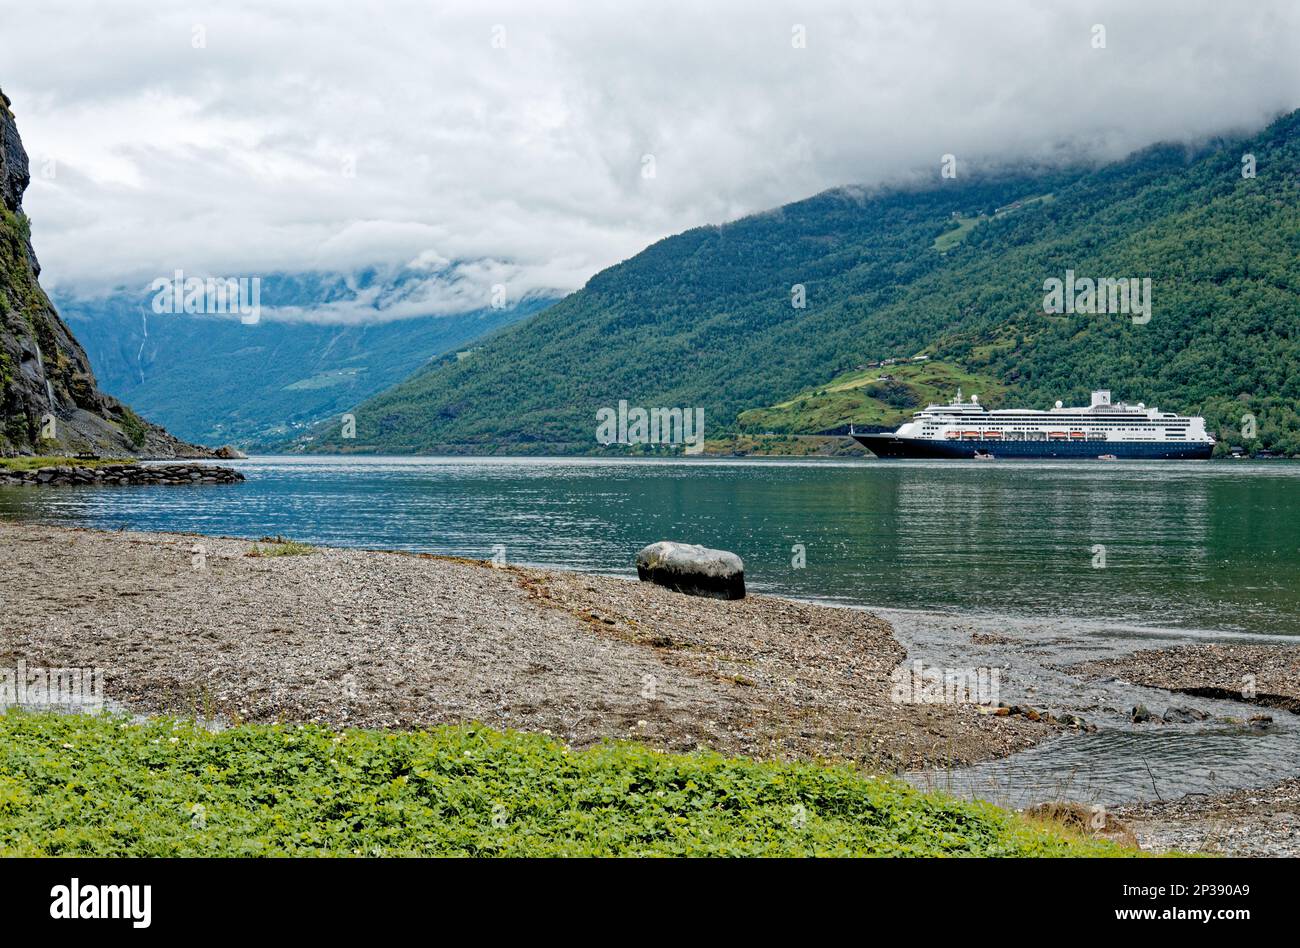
1245 823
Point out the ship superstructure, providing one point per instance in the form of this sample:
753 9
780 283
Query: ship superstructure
964 429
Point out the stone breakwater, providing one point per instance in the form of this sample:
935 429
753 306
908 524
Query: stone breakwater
127 475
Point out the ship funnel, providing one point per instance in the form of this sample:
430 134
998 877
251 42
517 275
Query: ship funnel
1100 397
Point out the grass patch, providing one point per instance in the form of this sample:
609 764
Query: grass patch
964 224
280 546
34 463
80 785
345 376
951 238
862 398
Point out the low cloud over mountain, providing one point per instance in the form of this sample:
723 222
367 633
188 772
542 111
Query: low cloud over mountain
545 145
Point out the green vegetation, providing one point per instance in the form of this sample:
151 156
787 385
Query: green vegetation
962 225
868 399
326 379
25 313
76 785
705 318
951 238
34 463
133 427
20 287
279 546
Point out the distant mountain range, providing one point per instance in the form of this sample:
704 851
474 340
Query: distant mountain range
959 271
216 379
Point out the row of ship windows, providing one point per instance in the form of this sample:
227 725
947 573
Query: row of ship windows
1092 416
1171 428
1085 422
1177 429
1042 436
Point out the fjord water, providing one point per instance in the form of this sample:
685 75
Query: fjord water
1189 545
1074 559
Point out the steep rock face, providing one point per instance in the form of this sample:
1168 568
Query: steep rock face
49 402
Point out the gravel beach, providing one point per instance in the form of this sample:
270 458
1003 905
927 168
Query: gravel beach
1264 822
1263 675
1266 680
196 625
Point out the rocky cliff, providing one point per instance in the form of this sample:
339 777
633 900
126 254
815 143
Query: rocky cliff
49 402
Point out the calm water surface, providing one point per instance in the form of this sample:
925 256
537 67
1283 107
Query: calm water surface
1077 558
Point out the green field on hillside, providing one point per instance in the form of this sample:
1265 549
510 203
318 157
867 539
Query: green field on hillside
951 238
883 396
965 224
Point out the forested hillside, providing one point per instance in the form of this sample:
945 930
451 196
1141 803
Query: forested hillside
956 270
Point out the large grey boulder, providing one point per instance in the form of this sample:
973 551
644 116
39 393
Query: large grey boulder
692 569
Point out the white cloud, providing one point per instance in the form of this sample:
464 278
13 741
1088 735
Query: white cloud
335 135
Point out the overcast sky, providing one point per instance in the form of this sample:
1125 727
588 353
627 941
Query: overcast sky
240 138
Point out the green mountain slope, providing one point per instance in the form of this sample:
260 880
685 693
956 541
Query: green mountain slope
704 319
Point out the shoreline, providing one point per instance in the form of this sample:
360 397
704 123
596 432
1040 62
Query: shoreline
1265 680
706 455
194 624
401 640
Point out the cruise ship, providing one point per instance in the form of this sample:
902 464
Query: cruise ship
966 429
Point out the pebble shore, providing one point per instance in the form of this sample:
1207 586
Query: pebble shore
1267 676
1266 680
206 626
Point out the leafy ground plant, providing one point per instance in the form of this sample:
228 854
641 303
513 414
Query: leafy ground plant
279 546
107 786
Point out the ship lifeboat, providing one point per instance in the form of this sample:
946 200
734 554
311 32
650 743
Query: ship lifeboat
993 434
955 435
970 434
1076 434
1056 435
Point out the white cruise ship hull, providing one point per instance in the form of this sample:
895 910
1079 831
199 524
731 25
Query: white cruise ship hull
892 446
